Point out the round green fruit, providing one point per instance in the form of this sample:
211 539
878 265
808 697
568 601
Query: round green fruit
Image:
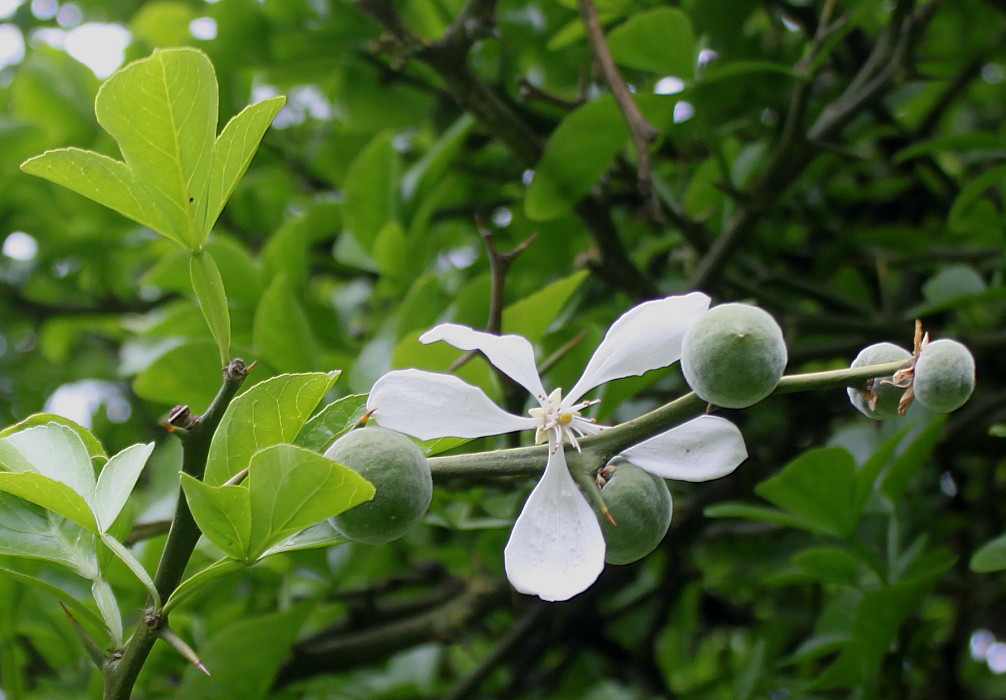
640 504
944 376
888 396
734 355
401 477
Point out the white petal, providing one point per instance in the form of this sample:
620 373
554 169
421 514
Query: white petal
556 548
511 354
704 448
428 405
645 337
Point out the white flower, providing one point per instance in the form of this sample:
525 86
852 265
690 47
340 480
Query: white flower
556 548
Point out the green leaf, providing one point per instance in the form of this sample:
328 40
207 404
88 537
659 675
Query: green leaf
437 446
170 148
990 144
233 153
93 445
390 255
336 419
819 487
104 597
532 315
187 588
281 330
733 69
270 413
31 532
433 165
370 191
315 537
828 564
163 23
116 482
660 41
134 565
187 374
223 514
50 494
875 625
175 175
244 656
52 450
750 511
866 477
79 610
895 479
209 289
108 182
576 155
991 556
292 488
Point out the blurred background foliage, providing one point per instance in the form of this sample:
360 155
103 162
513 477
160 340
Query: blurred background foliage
839 163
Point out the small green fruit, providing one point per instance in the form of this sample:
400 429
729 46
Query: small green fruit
401 477
641 506
734 355
888 396
944 376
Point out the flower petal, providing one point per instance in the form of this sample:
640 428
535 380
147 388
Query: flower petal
511 354
428 405
645 337
556 548
704 448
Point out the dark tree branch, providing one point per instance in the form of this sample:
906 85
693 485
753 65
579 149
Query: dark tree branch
641 131
338 652
448 57
794 151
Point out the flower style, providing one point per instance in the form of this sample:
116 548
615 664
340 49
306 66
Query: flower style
556 548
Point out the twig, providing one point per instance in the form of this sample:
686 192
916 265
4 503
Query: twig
530 91
793 151
499 265
448 57
511 640
641 131
364 645
123 668
599 449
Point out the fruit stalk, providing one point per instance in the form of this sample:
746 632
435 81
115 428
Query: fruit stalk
597 450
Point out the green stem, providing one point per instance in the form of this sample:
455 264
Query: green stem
598 449
122 669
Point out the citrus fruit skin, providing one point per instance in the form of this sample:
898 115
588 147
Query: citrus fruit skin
944 376
401 477
734 355
641 506
888 395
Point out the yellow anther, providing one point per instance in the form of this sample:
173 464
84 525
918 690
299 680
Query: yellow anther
565 418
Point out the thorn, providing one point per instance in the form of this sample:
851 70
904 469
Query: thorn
609 516
366 417
94 652
179 645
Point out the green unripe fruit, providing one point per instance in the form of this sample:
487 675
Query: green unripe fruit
888 396
944 376
641 506
734 355
401 477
